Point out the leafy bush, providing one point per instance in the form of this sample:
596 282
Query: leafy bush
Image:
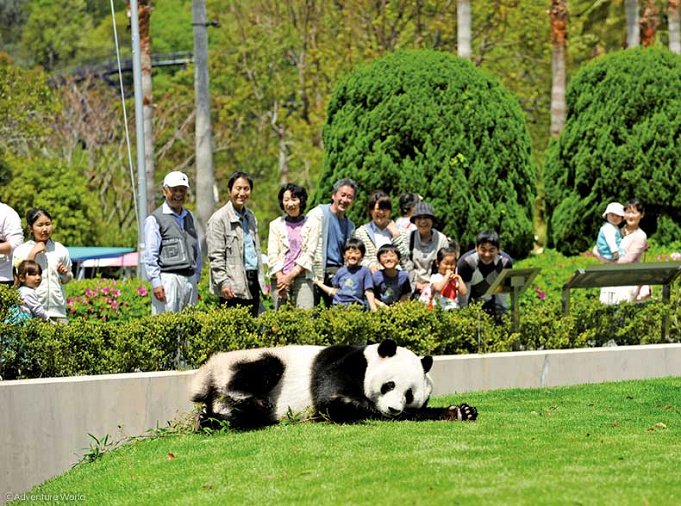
622 127
187 339
8 298
556 269
62 190
435 124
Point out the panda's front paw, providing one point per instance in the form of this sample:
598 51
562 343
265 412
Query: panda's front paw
461 413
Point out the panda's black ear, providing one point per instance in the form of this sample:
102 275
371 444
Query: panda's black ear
427 362
387 348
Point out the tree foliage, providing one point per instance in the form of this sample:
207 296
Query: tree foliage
60 189
273 66
621 140
49 40
432 123
27 107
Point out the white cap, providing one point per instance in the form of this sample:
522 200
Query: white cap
614 208
177 178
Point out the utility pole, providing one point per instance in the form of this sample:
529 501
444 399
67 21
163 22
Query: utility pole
205 179
139 126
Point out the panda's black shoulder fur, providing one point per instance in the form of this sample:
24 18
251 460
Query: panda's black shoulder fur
337 384
257 377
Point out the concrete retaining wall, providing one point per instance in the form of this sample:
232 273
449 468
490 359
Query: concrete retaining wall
535 369
44 423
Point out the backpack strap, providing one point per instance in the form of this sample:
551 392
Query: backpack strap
412 238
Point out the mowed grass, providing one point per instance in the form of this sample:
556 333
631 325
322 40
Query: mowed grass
613 443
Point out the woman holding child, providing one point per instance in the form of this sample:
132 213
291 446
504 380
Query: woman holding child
634 244
290 250
53 259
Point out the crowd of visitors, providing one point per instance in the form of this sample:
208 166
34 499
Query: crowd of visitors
312 259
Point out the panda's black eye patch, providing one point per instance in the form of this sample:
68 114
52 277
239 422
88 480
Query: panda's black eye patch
409 396
387 387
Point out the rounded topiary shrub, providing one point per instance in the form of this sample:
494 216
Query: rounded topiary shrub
620 141
434 124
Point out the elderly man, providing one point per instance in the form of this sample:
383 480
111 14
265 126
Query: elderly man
173 253
335 229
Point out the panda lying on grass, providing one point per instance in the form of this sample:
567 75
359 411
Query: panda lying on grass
258 387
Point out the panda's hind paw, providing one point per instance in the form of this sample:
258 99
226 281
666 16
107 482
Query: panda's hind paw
461 413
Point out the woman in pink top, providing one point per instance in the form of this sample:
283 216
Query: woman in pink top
634 244
290 250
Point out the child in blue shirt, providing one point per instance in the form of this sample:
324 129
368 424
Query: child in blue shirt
390 285
352 284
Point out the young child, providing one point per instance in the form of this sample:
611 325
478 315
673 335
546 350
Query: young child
610 236
390 285
352 284
407 203
28 276
446 284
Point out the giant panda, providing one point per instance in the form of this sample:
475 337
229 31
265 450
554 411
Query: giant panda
341 383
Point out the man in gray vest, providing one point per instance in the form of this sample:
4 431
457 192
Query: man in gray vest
173 253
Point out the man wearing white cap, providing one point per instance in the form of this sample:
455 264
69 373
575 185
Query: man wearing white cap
610 235
173 253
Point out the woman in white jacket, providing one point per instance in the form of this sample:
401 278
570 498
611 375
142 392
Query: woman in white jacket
291 247
52 257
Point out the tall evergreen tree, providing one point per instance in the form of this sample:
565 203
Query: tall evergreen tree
432 123
621 140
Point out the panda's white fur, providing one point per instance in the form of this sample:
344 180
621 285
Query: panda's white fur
293 391
257 387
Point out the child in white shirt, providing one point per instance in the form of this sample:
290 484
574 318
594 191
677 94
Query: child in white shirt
446 284
29 276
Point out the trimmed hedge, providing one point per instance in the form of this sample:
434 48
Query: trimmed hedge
187 339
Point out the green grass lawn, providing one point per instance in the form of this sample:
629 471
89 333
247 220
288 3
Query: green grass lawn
614 443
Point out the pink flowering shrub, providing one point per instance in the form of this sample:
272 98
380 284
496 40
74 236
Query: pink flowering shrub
673 257
108 299
104 299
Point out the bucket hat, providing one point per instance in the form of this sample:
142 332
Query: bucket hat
423 209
